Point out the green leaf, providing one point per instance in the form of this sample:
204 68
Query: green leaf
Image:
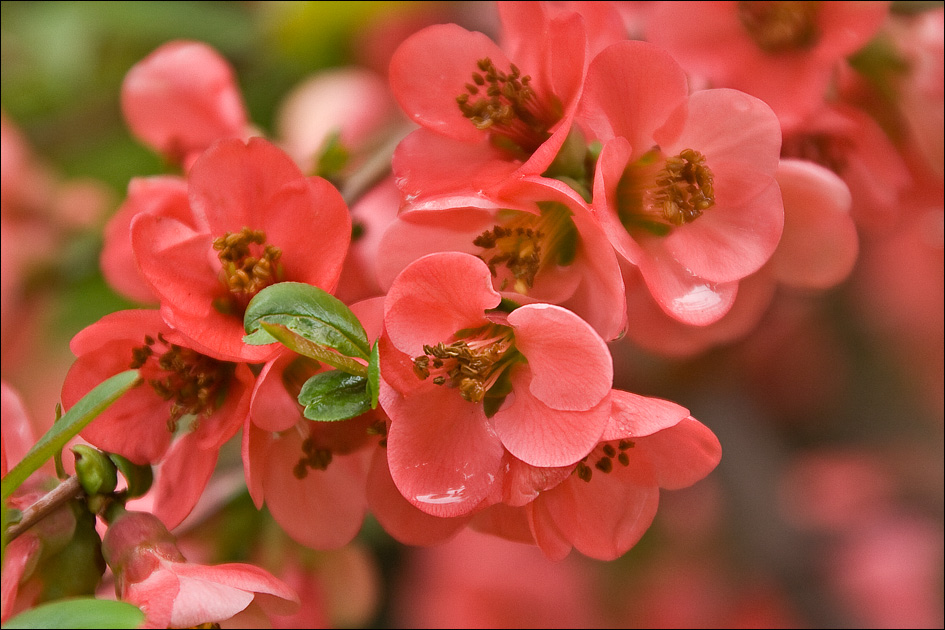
303 346
373 386
309 312
82 413
334 395
81 612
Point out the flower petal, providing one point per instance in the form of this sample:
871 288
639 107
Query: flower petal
571 367
541 435
443 454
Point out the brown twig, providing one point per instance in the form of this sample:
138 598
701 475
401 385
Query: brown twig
55 498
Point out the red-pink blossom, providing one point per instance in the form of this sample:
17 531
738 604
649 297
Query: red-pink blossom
152 573
181 98
182 389
492 112
311 475
610 500
247 203
552 250
685 186
817 250
784 53
463 382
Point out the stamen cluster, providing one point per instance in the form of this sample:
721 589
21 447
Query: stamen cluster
780 26
508 107
685 188
193 381
605 464
518 248
473 369
244 273
313 458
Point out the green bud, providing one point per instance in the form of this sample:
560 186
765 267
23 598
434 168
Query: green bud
96 472
138 476
75 569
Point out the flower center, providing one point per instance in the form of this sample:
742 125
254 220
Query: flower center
505 105
473 364
526 242
821 148
779 27
249 265
313 458
605 462
659 194
195 383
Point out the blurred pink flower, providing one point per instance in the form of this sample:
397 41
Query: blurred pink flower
784 53
181 98
479 581
152 573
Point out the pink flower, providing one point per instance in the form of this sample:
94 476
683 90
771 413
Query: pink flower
609 501
181 389
489 112
463 381
850 143
247 204
181 98
684 187
311 475
151 573
466 583
817 250
550 250
348 106
784 53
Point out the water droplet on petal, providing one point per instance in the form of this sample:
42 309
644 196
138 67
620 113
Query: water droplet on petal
700 297
453 495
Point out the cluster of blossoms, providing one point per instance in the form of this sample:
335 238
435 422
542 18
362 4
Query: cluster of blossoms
558 191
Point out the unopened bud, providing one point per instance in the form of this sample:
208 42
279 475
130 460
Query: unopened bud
96 472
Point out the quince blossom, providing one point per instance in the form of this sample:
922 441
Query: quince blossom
241 234
463 381
187 406
785 53
182 98
551 249
684 186
152 573
490 113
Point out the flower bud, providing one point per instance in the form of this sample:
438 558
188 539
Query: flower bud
96 472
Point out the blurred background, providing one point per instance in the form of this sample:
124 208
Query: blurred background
827 508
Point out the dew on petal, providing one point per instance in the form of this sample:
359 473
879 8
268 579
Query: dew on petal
700 297
453 495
